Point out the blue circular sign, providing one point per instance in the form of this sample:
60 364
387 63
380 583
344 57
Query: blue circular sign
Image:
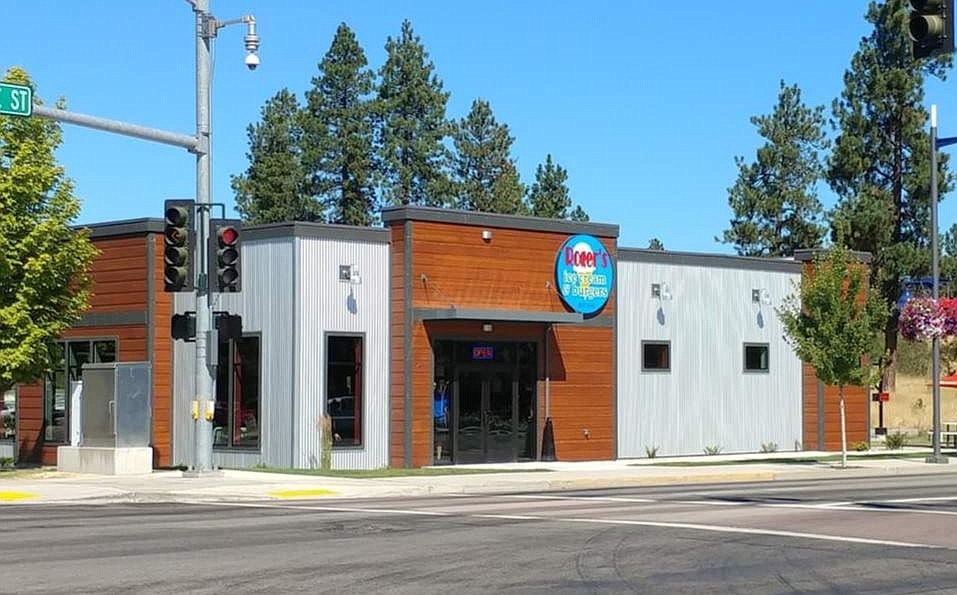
584 273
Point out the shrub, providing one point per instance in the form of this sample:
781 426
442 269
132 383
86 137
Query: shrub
894 441
769 447
861 446
651 451
712 450
6 462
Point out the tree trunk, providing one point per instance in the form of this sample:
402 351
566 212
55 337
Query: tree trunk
890 345
840 390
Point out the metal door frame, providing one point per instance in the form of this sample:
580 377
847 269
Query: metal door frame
486 371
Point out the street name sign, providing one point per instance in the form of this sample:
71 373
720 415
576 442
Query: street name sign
16 100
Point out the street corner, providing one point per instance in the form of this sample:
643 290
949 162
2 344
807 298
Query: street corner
302 493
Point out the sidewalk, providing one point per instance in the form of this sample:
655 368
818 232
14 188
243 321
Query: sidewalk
235 485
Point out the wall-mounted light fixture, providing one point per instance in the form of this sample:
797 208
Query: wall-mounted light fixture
661 291
487 235
349 273
761 296
486 327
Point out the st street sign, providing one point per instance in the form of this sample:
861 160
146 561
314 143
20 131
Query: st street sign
15 100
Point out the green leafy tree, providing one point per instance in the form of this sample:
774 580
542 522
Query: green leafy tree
831 324
274 187
412 126
338 132
655 244
774 202
44 262
880 166
484 173
549 196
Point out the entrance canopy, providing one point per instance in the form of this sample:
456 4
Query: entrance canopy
489 315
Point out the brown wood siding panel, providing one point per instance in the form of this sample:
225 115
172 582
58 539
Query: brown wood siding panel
397 358
513 271
162 371
810 407
119 274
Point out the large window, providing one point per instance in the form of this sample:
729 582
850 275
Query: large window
756 357
236 420
344 389
655 356
8 415
68 359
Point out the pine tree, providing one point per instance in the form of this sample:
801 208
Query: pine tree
774 202
655 244
273 188
338 132
549 196
411 103
44 262
880 164
484 173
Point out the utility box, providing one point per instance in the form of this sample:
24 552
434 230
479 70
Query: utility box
115 421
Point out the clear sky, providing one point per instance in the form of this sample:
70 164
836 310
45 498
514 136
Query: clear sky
645 103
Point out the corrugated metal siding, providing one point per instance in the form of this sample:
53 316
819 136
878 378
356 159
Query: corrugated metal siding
266 305
706 399
326 305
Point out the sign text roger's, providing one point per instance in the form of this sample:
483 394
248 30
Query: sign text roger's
585 273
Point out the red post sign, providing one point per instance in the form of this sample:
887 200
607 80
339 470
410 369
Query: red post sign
884 397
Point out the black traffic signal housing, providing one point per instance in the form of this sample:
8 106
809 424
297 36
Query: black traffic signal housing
178 233
931 27
230 326
225 250
183 326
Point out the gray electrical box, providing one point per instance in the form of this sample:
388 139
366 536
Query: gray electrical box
116 405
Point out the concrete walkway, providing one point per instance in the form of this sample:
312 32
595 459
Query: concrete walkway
53 487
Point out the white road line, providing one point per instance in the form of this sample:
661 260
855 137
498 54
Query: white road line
661 524
749 531
904 500
580 498
709 502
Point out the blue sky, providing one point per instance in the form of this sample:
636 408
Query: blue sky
646 105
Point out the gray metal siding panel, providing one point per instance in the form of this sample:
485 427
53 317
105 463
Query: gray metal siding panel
706 398
266 307
326 306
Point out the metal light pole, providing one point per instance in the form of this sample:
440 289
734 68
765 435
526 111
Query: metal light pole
207 28
936 457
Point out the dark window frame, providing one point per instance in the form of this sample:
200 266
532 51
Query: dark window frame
664 342
364 376
49 382
9 439
231 395
744 354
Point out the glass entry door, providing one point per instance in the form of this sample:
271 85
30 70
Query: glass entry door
486 421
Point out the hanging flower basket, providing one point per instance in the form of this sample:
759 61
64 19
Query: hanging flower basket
924 318
949 308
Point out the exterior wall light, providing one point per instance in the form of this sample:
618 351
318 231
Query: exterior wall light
487 327
487 235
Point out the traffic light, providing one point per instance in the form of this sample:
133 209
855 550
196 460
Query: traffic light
178 244
224 255
932 27
230 326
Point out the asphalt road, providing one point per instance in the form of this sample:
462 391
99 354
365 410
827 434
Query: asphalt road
895 535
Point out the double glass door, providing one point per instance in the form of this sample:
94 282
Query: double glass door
487 416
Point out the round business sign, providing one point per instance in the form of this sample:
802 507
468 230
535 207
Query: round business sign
584 273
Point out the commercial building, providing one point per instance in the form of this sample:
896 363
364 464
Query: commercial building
451 337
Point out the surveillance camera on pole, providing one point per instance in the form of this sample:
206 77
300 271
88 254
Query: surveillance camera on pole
931 27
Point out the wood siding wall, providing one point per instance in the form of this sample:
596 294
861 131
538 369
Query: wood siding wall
119 286
453 267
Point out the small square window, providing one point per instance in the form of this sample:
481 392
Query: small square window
655 356
756 357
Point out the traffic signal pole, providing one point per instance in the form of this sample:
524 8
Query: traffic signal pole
207 28
204 370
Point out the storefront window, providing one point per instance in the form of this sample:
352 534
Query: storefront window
655 356
236 419
344 389
68 359
8 415
756 357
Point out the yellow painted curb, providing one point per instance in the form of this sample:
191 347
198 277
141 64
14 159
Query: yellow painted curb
306 493
15 496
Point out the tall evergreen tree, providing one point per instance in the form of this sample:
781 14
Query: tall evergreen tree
338 126
274 187
44 262
412 104
880 164
484 173
549 195
655 244
774 203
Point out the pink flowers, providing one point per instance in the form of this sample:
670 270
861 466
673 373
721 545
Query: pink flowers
925 318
